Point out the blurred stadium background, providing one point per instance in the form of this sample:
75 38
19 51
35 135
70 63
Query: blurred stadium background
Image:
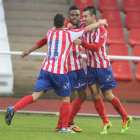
24 22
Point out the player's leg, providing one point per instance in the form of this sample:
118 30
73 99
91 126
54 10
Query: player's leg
21 104
59 124
107 82
27 100
95 91
77 103
66 109
61 86
119 108
41 85
94 86
78 82
100 108
71 96
64 115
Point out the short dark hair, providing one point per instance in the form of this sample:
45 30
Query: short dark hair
73 7
59 20
91 10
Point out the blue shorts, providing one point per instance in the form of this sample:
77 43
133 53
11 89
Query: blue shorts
103 76
78 80
59 82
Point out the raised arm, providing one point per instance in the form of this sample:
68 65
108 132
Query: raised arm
36 46
95 25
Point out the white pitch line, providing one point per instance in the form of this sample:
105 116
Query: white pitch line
57 113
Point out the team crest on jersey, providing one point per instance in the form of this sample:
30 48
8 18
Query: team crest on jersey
93 36
102 36
52 58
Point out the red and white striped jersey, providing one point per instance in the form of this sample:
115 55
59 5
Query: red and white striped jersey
74 61
81 23
59 43
97 59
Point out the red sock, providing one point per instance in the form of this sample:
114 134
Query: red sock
66 109
119 108
75 108
99 105
59 124
23 102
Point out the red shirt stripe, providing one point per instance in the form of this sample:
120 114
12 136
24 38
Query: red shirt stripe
59 43
97 59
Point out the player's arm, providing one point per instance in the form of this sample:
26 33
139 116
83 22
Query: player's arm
86 29
95 25
93 47
36 46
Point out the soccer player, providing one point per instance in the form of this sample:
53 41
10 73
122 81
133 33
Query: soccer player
53 74
99 72
76 73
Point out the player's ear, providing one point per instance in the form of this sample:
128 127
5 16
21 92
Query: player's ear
93 17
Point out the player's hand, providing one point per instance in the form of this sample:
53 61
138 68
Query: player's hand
70 26
24 54
103 22
77 41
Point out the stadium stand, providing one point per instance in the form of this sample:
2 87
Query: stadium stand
115 36
83 3
6 72
132 20
136 52
104 5
3 30
113 18
122 71
137 72
120 50
131 6
134 38
2 16
27 22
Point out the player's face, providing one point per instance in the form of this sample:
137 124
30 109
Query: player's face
88 19
74 17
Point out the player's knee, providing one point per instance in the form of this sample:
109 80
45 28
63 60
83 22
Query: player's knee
72 96
36 95
66 99
71 99
95 96
35 100
108 97
82 95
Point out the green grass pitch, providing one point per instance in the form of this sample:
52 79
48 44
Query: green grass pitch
41 127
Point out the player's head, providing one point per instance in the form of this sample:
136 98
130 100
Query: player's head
89 15
59 21
74 15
